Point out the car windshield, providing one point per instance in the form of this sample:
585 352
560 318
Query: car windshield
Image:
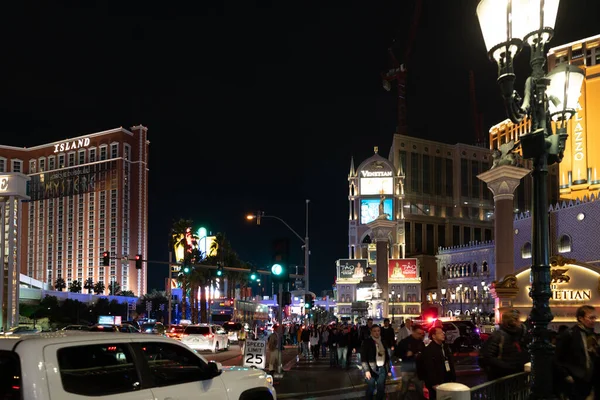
197 330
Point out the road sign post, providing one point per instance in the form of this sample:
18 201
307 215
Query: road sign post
255 354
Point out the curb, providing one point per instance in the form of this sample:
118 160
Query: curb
390 387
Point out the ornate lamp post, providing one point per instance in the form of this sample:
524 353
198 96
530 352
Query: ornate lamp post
443 299
507 25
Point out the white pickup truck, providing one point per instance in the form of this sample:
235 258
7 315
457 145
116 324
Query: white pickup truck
74 365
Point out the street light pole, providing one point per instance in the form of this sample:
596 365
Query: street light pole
392 298
443 300
305 240
507 26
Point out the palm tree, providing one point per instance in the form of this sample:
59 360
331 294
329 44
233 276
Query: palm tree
99 287
180 237
89 285
60 284
127 293
114 288
75 287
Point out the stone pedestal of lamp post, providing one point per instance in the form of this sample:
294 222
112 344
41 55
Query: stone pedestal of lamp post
382 229
502 180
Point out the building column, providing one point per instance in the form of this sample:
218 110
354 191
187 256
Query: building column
502 181
382 229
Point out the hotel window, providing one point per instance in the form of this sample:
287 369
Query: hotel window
441 235
61 161
114 150
455 235
71 159
127 152
426 174
42 164
103 152
32 166
418 238
81 157
93 154
464 177
564 244
415 172
51 161
466 234
526 250
17 166
437 176
2 164
449 177
475 182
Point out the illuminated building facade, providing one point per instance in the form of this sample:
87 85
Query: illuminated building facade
431 192
577 175
88 194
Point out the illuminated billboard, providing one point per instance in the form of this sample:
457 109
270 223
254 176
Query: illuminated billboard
376 186
363 294
369 209
351 269
404 268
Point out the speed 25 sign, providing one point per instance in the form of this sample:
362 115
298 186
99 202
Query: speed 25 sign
255 354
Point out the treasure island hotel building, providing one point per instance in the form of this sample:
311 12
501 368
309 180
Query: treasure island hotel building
87 195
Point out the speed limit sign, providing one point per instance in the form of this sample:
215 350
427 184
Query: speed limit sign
255 354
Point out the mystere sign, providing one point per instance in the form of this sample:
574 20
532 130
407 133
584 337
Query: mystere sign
255 354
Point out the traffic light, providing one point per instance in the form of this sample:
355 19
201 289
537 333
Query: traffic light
279 269
138 261
106 259
219 270
187 269
308 301
253 274
286 299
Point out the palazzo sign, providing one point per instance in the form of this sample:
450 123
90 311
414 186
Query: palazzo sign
72 145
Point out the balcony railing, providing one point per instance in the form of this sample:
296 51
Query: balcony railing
511 387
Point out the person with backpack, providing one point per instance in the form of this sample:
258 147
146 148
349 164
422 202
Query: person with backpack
505 352
435 365
375 363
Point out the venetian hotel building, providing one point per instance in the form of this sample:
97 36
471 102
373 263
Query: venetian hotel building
88 194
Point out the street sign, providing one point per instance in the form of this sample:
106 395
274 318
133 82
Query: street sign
175 268
132 306
255 354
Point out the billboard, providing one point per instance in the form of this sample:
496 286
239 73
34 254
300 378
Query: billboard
369 209
73 181
369 186
403 268
351 269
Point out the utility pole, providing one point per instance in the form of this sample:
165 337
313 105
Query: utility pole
279 330
306 250
169 292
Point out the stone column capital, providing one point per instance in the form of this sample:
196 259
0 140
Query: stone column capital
381 228
503 180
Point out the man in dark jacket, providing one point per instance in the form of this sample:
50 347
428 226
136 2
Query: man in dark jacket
388 336
375 363
576 353
438 362
407 350
505 352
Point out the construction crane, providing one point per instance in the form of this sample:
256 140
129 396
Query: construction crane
399 70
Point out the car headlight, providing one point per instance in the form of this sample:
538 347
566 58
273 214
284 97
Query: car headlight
269 379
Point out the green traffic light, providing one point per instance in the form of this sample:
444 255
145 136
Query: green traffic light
186 270
306 305
253 276
277 269
219 272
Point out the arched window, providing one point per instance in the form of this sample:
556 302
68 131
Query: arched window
474 268
367 239
484 267
526 250
469 269
564 244
443 271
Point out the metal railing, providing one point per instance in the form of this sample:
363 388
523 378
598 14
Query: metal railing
511 387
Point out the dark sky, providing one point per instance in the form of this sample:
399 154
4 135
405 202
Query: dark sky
250 105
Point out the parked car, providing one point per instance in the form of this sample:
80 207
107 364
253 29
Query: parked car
22 330
205 337
104 328
156 328
461 335
70 365
76 328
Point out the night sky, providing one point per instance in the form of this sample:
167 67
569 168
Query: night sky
251 105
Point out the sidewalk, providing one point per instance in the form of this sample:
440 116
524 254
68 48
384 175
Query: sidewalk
314 379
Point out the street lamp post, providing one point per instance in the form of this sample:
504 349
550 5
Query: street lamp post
460 297
305 240
506 26
392 299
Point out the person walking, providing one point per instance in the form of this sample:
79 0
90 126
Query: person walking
505 352
305 337
375 363
324 340
272 346
388 337
576 353
314 343
343 341
332 342
405 329
407 350
437 362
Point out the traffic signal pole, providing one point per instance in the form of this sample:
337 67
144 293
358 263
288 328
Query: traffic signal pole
280 331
